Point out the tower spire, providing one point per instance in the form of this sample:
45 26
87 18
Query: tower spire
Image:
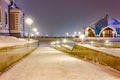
106 16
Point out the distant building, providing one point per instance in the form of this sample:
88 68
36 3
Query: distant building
11 19
105 27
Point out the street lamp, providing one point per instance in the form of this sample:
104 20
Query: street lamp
37 33
34 29
67 34
82 37
75 33
31 34
64 41
29 22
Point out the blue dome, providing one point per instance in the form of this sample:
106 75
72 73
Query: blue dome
104 22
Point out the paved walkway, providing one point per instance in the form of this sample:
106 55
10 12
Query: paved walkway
46 63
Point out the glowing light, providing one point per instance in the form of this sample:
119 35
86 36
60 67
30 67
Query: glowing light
87 33
29 21
57 42
37 33
79 33
67 34
103 33
82 37
32 35
113 32
91 42
34 29
107 41
64 41
75 33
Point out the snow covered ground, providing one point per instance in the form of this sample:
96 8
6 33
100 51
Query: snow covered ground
11 41
46 63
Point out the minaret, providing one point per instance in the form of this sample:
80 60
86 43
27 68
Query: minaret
106 16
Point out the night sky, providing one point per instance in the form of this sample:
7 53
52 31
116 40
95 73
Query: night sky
56 17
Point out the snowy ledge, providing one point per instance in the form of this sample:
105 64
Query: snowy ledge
105 57
111 51
9 41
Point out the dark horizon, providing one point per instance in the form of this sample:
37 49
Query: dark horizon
56 17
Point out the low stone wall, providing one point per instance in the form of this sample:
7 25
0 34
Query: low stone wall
92 55
10 55
96 56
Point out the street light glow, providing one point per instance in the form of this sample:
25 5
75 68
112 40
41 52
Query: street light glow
64 41
29 21
34 29
67 34
37 33
32 34
57 42
82 37
75 33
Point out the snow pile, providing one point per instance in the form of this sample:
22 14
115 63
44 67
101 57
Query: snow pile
11 41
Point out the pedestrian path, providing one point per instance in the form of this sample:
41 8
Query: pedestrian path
46 63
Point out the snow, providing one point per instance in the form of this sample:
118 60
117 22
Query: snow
112 51
46 63
11 41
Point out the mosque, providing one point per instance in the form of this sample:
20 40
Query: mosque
105 27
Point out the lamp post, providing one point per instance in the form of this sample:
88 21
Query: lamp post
29 22
35 31
75 33
64 41
82 37
67 34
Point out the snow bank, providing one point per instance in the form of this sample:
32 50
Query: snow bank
11 41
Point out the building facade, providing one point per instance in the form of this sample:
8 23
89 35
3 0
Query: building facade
11 19
105 27
16 20
4 17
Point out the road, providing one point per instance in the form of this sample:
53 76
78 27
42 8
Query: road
46 63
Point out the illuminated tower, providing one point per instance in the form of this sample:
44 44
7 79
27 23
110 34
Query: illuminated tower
16 20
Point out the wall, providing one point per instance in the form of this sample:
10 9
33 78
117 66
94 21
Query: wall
10 55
